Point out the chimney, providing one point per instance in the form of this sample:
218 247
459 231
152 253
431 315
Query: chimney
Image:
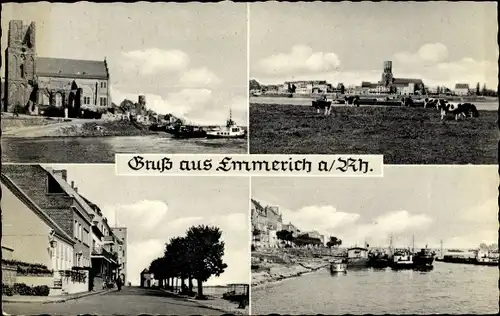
63 172
73 184
76 189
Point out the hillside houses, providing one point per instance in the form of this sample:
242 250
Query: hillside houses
267 226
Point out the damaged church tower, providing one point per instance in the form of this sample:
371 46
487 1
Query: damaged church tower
20 66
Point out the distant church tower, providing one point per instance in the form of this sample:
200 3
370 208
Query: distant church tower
387 74
20 65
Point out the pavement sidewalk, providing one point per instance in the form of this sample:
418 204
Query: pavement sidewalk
216 303
50 299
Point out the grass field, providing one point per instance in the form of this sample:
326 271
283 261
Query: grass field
402 135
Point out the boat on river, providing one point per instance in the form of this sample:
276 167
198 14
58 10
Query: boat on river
378 260
231 130
357 257
188 131
338 265
402 259
424 258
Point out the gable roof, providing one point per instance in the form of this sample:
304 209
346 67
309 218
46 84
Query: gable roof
71 68
407 81
71 192
21 195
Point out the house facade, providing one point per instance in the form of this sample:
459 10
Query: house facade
49 190
121 235
461 89
267 221
32 236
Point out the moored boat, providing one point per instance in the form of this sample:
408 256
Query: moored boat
231 130
402 259
188 131
424 258
378 260
338 266
357 257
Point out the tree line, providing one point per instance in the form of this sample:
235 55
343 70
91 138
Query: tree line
196 256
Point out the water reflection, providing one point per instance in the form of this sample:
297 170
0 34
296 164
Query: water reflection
103 149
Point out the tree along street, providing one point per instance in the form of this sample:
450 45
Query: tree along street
128 301
197 256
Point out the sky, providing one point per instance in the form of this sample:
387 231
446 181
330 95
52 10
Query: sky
155 209
188 59
442 43
455 204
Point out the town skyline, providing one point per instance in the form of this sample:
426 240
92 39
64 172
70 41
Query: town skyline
389 207
157 209
185 72
337 42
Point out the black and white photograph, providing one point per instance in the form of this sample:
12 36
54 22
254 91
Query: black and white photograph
84 81
77 239
420 240
414 81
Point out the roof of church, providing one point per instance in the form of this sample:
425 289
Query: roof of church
462 86
71 68
407 81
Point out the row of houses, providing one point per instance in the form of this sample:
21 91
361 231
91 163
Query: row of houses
387 84
47 223
267 221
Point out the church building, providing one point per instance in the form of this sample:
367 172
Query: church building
34 84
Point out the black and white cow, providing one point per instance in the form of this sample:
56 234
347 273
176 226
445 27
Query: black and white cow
352 100
323 104
407 101
431 102
457 109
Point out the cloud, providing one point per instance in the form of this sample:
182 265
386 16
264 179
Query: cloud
433 53
324 219
150 61
431 64
378 232
199 106
179 103
349 227
301 59
199 77
148 250
140 217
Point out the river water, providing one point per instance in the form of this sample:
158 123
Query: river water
488 106
103 149
448 288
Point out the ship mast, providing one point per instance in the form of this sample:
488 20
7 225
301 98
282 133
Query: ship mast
441 248
413 244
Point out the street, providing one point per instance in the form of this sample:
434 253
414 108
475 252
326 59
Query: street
129 301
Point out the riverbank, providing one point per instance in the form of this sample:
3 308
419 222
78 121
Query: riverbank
274 265
467 98
368 101
276 272
25 126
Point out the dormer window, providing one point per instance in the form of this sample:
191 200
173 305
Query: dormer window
53 186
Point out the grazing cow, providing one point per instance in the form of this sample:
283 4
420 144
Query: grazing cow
457 109
407 101
469 109
352 100
431 102
323 104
